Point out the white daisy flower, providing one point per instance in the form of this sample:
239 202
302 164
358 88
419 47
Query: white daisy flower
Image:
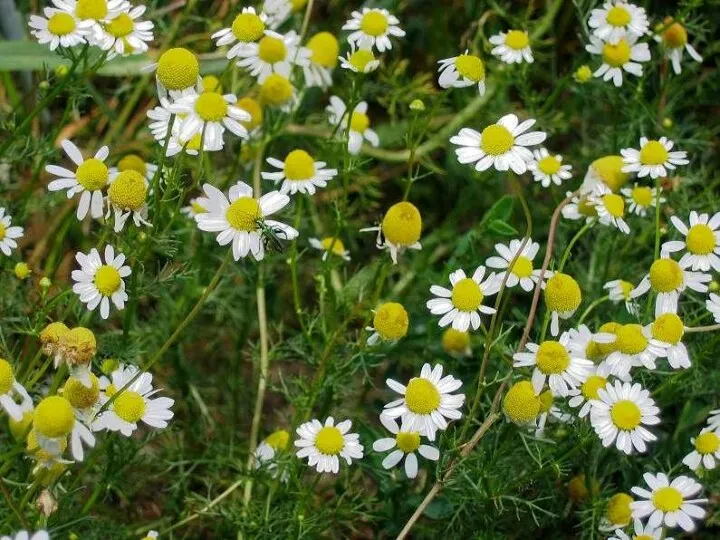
89 179
25 535
406 443
610 208
548 169
605 170
702 242
8 233
714 419
399 230
359 61
330 245
668 502
299 173
556 363
624 55
713 306
278 91
617 19
194 208
97 283
59 28
619 291
124 33
177 73
586 344
654 158
675 40
634 346
502 145
463 305
667 331
127 195
324 49
390 323
239 220
522 271
357 125
707 450
617 514
579 208
95 11
373 28
11 391
549 412
640 199
462 71
324 445
512 47
584 395
426 401
247 27
133 404
642 532
273 53
268 449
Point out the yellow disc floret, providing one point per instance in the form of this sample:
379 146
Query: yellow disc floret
61 24
707 443
178 69
276 90
470 67
546 401
92 174
642 195
391 321
299 166
360 59
359 122
585 208
552 357
618 510
407 441
78 345
549 165
7 377
520 403
248 27
128 191
455 341
54 417
252 107
107 280
591 386
421 396
667 499
50 336
129 406
243 214
211 107
666 276
583 74
609 170
325 49
668 328
120 26
496 140
625 415
278 440
653 153
618 16
79 395
675 36
374 23
271 50
562 293
467 295
91 9
132 162
329 441
614 204
608 328
577 489
402 224
517 39
700 240
523 267
616 55
333 243
630 339
210 83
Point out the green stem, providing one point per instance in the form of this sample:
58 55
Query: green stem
572 243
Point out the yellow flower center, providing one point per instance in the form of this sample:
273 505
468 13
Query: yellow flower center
470 67
391 321
609 169
546 401
700 240
707 443
92 174
132 162
614 204
107 280
197 208
91 9
625 415
523 267
585 208
374 23
54 417
278 440
666 275
3 230
251 106
128 190
129 406
577 489
421 396
668 328
496 140
642 196
21 270
276 90
608 328
402 224
325 49
455 341
667 499
466 295
591 386
210 83
243 214
520 403
675 36
272 50
79 395
616 55
549 165
361 58
517 39
630 339
407 441
329 441
78 345
552 358
178 69
562 293
299 166
618 16
120 26
297 5
653 153
626 288
583 74
61 24
248 27
337 246
359 122
618 510
211 107
7 378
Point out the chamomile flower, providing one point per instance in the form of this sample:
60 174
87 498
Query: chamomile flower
521 272
668 502
273 53
462 71
583 395
642 532
177 71
330 245
359 61
610 208
640 199
512 47
579 208
208 114
503 145
617 513
97 283
620 415
713 306
549 412
619 291
675 40
194 208
625 55
373 28
463 305
25 535
555 362
247 27
548 169
324 444
299 173
702 242
8 233
405 444
607 170
58 28
133 162
277 90
53 421
357 124
267 450
390 323
162 120
127 195
89 179
521 403
633 346
654 158
562 298
324 50
617 19
399 230
706 452
667 331
593 346
456 343
278 11
76 348
133 404
237 219
95 11
50 338
9 389
125 33
84 398
426 402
